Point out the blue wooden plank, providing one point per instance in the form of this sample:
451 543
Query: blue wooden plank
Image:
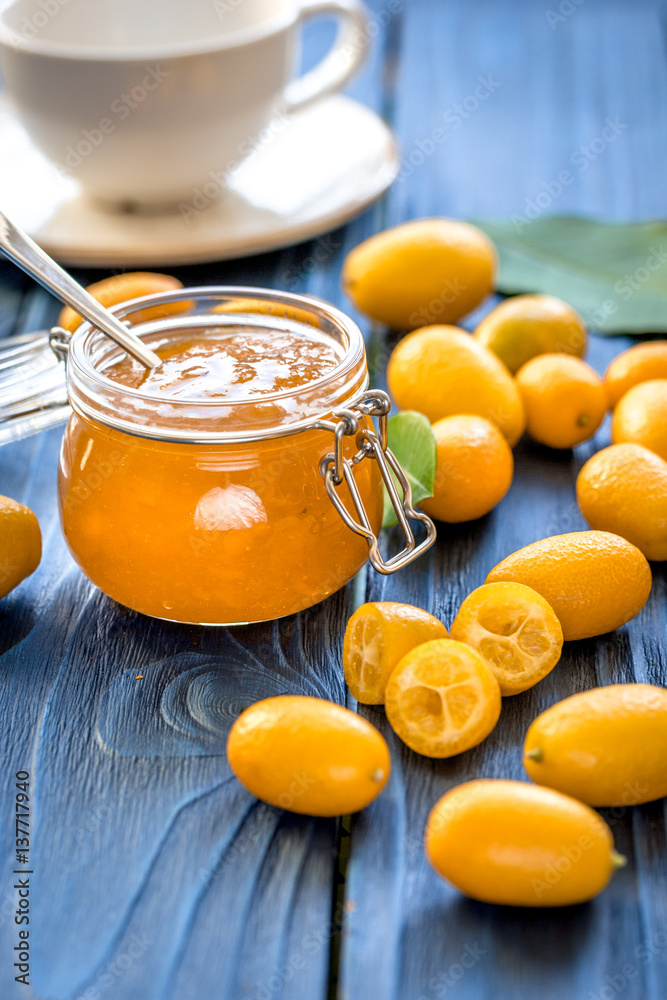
549 93
407 935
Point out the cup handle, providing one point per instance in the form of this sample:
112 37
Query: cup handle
342 62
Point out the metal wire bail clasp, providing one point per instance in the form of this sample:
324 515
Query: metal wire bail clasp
59 342
336 469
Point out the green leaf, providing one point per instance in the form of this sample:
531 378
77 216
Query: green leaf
413 443
614 275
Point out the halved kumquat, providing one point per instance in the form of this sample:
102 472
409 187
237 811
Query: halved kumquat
442 698
378 635
514 629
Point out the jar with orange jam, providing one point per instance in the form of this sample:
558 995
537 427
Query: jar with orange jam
240 481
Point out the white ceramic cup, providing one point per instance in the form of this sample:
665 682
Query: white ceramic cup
145 101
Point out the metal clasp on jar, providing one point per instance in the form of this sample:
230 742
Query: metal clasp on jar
372 445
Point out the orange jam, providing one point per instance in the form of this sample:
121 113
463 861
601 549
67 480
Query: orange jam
235 366
173 521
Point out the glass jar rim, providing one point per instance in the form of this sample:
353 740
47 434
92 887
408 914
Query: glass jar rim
88 385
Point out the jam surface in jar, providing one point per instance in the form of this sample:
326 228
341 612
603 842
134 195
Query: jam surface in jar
218 533
236 366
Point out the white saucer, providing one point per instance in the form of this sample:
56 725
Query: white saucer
328 164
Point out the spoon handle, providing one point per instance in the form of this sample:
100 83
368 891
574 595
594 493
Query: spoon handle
27 255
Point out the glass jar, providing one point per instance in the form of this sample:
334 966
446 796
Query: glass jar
227 511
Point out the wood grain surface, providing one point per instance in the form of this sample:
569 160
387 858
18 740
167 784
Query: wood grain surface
156 876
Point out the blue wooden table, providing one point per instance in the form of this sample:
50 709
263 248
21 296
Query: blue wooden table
155 875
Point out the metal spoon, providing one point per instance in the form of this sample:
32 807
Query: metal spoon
26 254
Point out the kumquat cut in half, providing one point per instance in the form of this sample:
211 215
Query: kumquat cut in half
514 629
378 635
442 698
